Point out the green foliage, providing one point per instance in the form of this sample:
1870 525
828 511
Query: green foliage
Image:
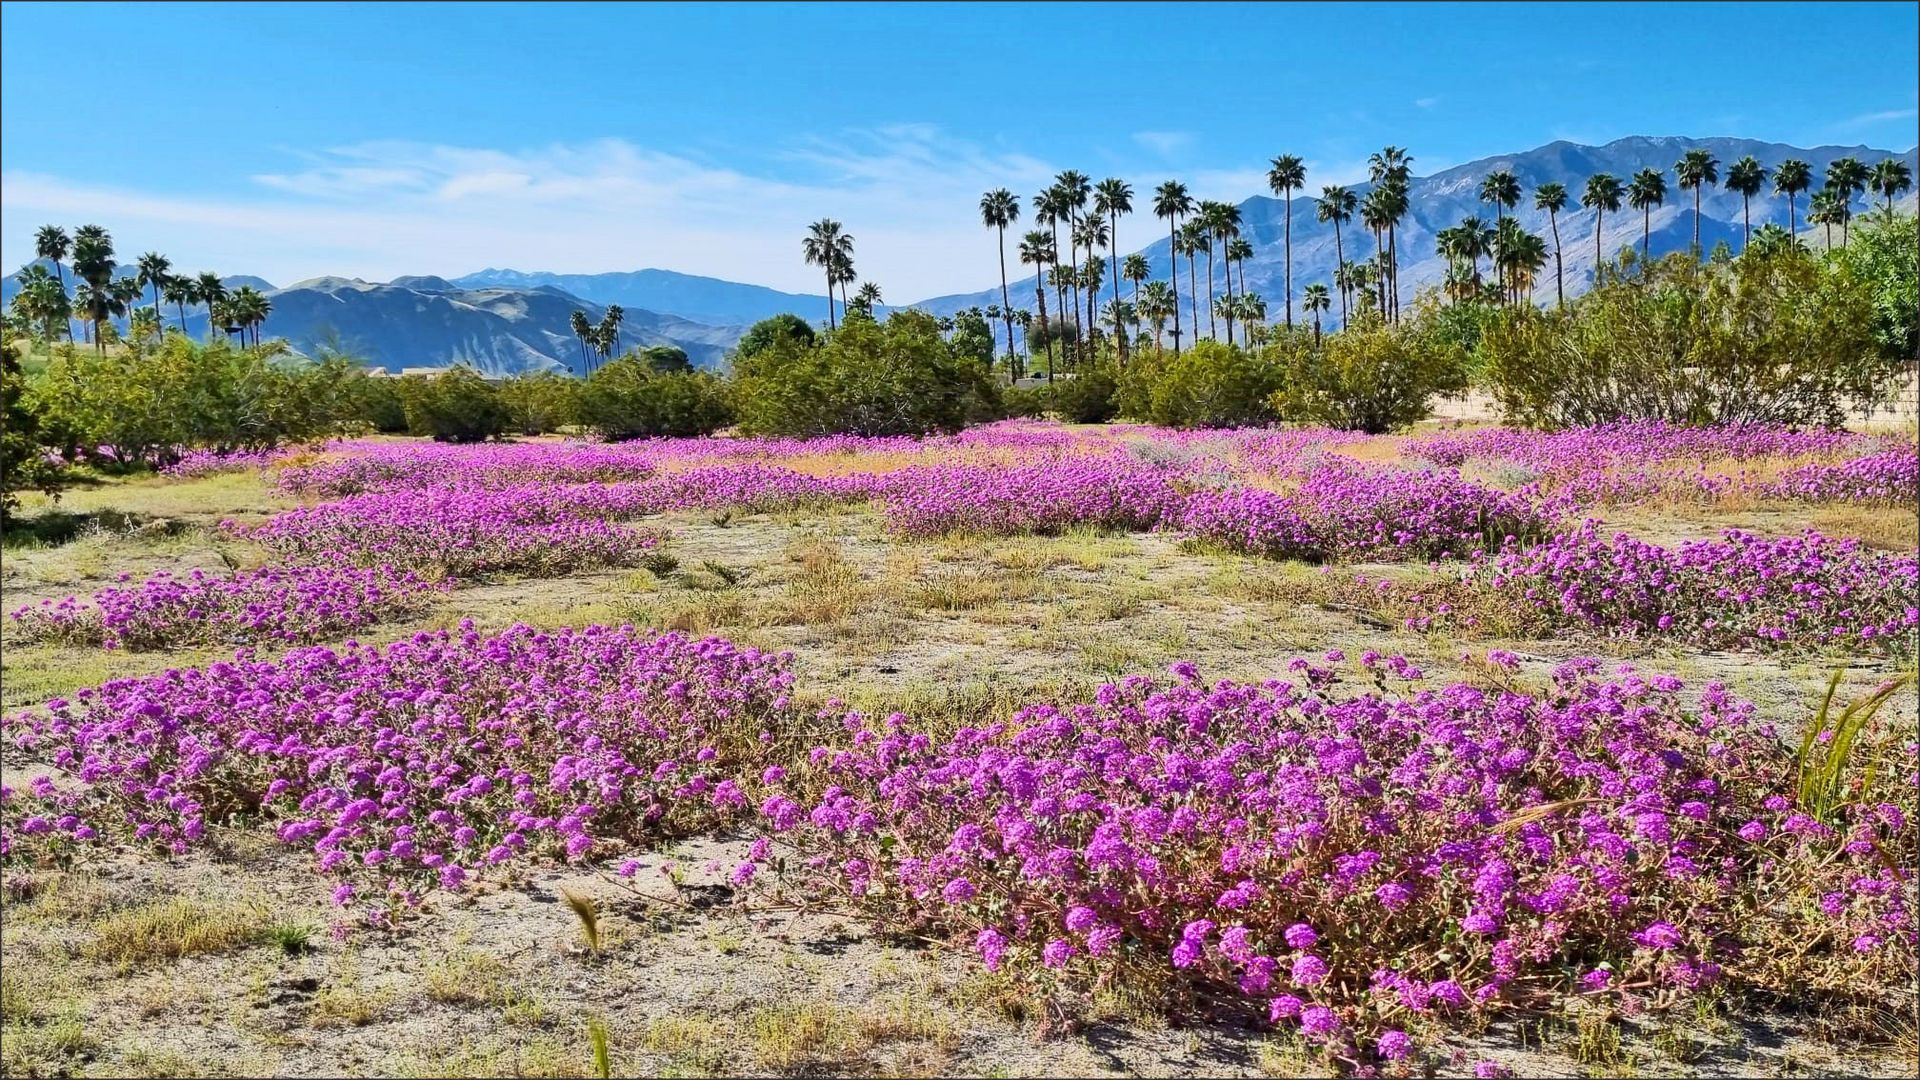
763 335
1783 338
1087 397
1372 376
456 405
666 359
1025 402
1822 772
539 402
972 336
893 378
1210 385
143 408
375 401
630 398
23 460
1884 254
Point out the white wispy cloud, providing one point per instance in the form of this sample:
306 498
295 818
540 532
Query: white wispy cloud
1884 116
1425 102
1164 143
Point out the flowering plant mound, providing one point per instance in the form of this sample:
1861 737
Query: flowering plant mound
296 605
194 463
1888 479
1342 512
363 467
1106 492
454 532
1740 590
1630 443
1359 866
754 487
416 765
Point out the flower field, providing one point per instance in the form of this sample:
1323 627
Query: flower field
1356 751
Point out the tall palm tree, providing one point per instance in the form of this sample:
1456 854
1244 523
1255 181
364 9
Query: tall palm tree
178 289
1239 250
1316 301
1224 307
869 294
1376 213
97 304
126 293
1208 217
1519 255
1790 178
1113 197
153 274
41 299
843 274
1050 209
1193 237
1253 316
52 243
1391 169
1770 239
1476 240
1154 303
208 289
1337 205
583 330
1825 209
1036 250
1891 177
822 247
610 322
249 308
1648 190
1287 175
1170 201
1847 177
1136 269
1075 189
1602 196
1000 208
1502 189
1224 226
93 264
1696 169
1746 177
1552 197
1092 234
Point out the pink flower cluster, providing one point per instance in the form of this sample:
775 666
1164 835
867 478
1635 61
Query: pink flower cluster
294 605
1345 862
1630 443
1107 492
1887 479
413 766
358 467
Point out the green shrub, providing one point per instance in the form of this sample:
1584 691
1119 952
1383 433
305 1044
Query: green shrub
456 405
1211 385
375 401
143 407
1884 255
630 399
1025 402
1087 397
1776 338
23 460
893 378
539 402
1372 376
782 328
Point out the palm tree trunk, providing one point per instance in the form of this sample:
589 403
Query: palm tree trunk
1746 222
1598 216
1646 234
1289 258
1559 278
1173 275
1040 297
1696 221
1316 328
1393 268
1193 287
830 294
1339 260
1212 327
1790 227
1006 304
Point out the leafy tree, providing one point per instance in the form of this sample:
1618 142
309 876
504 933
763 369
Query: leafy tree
893 378
1782 339
23 460
1886 262
1746 177
1088 397
457 405
630 398
764 334
1373 376
1287 175
1771 239
539 402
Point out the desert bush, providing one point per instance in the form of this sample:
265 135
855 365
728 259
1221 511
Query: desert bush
456 405
1372 376
1088 397
1884 255
375 401
1025 402
631 399
782 328
539 402
23 460
1783 338
893 378
1211 385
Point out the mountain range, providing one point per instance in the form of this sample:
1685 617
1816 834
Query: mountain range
506 321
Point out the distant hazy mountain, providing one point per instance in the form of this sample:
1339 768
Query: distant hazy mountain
1442 199
701 299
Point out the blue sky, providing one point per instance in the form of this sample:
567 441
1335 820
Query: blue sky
376 140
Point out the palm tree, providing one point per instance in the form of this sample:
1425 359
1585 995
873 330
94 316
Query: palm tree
1891 177
1476 239
98 305
1391 169
1502 189
1695 169
1746 177
93 264
1223 224
1154 303
1316 301
1847 177
208 289
1050 208
1036 250
249 308
1113 197
1287 175
1552 197
1770 240
1117 316
1790 178
1239 250
610 322
1074 190
179 292
52 243
583 330
126 293
1825 209
1205 219
1226 308
42 299
1170 201
869 294
1000 208
1092 273
1519 256
1193 237
1376 213
823 247
1337 205
1091 234
153 275
1602 196
1648 190
1253 316
1136 269
842 273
